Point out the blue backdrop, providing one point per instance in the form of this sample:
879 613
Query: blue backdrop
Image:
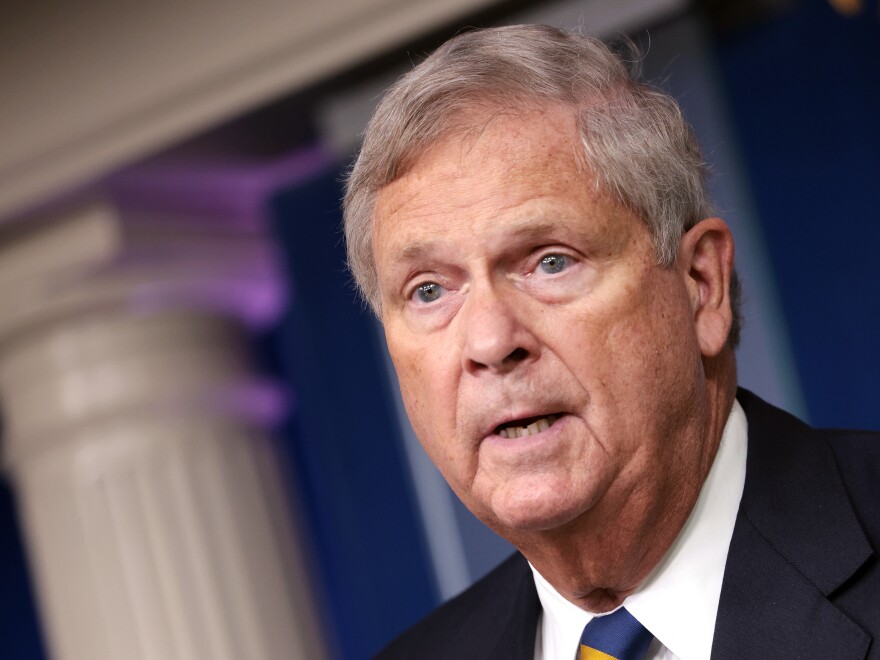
804 95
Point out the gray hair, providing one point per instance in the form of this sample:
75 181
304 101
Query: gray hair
635 141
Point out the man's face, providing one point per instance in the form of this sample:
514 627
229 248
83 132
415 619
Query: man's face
549 366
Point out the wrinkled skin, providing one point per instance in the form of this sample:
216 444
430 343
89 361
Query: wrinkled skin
512 287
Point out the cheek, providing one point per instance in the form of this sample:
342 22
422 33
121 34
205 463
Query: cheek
638 342
410 377
427 392
656 354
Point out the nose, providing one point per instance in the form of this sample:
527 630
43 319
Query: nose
496 337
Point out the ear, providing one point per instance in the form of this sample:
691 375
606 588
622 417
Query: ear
705 260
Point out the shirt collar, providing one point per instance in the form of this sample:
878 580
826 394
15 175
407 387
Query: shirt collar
678 602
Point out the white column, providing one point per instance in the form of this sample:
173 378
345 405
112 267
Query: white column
134 435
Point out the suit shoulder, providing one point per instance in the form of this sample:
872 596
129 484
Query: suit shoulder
858 458
467 625
787 449
865 444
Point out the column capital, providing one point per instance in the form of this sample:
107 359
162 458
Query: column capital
94 256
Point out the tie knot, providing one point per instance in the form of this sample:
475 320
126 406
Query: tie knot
618 636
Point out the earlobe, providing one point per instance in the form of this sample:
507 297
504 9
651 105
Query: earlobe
705 258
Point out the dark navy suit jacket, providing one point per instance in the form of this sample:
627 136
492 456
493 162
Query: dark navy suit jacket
802 578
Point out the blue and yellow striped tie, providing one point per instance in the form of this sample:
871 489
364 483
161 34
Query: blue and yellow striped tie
616 636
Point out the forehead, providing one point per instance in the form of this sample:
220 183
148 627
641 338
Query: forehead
503 161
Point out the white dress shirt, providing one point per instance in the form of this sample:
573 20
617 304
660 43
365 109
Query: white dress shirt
678 602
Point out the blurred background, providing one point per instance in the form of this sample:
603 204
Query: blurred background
203 452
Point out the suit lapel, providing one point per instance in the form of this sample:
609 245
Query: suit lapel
796 541
770 610
498 619
514 638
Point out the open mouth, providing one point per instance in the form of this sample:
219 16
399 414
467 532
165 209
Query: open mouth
520 428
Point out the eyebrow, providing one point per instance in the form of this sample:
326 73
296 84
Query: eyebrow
414 251
527 228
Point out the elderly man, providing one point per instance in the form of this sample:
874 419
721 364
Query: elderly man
531 226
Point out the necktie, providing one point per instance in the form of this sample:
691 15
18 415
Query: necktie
617 636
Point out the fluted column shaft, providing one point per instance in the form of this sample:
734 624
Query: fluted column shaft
134 434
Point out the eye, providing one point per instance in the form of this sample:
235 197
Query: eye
428 292
553 263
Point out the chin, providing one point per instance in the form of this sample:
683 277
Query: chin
535 512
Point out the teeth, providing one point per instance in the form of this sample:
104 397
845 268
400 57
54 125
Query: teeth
512 432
